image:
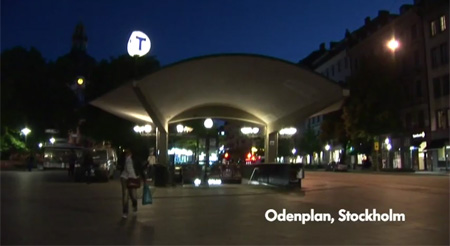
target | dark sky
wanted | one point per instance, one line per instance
(181, 29)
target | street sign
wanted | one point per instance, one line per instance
(139, 44)
(376, 146)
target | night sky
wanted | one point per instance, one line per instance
(181, 29)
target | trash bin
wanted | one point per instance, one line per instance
(161, 175)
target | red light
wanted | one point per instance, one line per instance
(249, 155)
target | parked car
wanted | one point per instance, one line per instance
(333, 166)
(56, 156)
(230, 173)
(98, 163)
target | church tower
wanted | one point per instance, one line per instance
(79, 39)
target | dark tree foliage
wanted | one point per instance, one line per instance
(333, 131)
(309, 142)
(40, 95)
(373, 106)
(24, 94)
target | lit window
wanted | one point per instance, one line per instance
(443, 24)
(433, 28)
(442, 119)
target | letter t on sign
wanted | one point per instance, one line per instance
(140, 41)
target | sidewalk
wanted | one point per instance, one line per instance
(436, 173)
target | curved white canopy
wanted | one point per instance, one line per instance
(254, 88)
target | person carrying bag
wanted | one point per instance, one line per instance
(130, 181)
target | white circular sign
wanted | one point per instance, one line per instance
(139, 44)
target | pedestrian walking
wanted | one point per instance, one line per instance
(30, 161)
(130, 178)
(88, 167)
(72, 160)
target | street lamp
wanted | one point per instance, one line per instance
(52, 140)
(293, 151)
(327, 148)
(180, 128)
(25, 131)
(208, 123)
(393, 44)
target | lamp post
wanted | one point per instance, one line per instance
(294, 151)
(25, 131)
(208, 123)
(327, 148)
(388, 145)
(393, 44)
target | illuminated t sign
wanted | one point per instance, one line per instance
(139, 44)
(419, 135)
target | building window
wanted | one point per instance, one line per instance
(434, 57)
(443, 25)
(417, 58)
(445, 85)
(442, 119)
(444, 53)
(421, 119)
(437, 87)
(408, 121)
(419, 89)
(433, 28)
(413, 32)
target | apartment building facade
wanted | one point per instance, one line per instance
(421, 32)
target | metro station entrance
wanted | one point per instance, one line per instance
(264, 91)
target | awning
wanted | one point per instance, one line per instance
(437, 144)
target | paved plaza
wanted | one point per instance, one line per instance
(44, 208)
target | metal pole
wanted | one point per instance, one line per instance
(205, 177)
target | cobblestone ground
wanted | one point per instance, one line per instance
(44, 208)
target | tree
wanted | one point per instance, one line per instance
(24, 92)
(333, 130)
(309, 142)
(106, 76)
(373, 106)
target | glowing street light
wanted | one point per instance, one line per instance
(40, 145)
(208, 123)
(142, 129)
(288, 131)
(249, 130)
(393, 44)
(52, 140)
(327, 147)
(389, 147)
(80, 81)
(180, 128)
(25, 131)
(294, 151)
(147, 128)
